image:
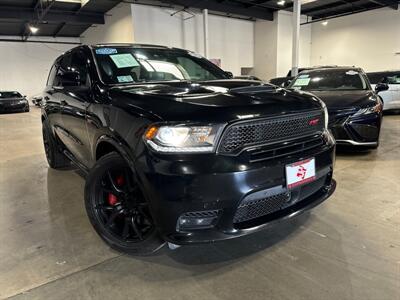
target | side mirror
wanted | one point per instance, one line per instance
(287, 83)
(69, 78)
(229, 74)
(380, 87)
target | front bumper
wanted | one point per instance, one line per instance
(13, 108)
(176, 185)
(361, 130)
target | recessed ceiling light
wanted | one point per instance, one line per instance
(33, 29)
(281, 2)
(324, 23)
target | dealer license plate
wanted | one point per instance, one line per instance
(300, 173)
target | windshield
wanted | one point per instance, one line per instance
(136, 65)
(4, 95)
(330, 80)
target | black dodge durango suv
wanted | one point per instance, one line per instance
(176, 150)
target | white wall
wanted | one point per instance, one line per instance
(25, 65)
(118, 27)
(368, 40)
(273, 46)
(285, 42)
(265, 49)
(231, 40)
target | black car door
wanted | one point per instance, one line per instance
(52, 100)
(74, 99)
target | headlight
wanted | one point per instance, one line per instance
(369, 110)
(182, 138)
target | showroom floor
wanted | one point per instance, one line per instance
(348, 248)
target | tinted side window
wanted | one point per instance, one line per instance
(79, 63)
(52, 75)
(64, 65)
(65, 62)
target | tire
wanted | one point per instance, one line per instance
(55, 158)
(117, 209)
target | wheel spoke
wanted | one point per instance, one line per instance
(144, 215)
(135, 228)
(125, 232)
(116, 189)
(104, 207)
(111, 220)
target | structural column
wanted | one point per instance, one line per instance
(205, 31)
(296, 36)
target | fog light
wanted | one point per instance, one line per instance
(198, 220)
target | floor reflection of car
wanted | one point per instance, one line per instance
(355, 110)
(12, 101)
(391, 97)
(176, 150)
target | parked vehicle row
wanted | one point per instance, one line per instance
(176, 150)
(390, 97)
(12, 101)
(355, 110)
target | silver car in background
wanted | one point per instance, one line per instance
(391, 97)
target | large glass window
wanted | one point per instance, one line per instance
(330, 79)
(121, 65)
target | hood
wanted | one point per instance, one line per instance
(213, 101)
(335, 100)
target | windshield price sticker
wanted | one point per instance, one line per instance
(127, 78)
(106, 51)
(125, 60)
(302, 81)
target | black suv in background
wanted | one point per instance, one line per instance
(177, 151)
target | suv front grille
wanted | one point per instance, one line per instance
(253, 209)
(260, 132)
(280, 149)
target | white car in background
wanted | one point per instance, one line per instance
(391, 97)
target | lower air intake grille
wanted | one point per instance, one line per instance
(253, 209)
(201, 214)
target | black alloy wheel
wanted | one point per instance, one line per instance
(117, 208)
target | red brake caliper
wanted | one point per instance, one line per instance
(112, 199)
